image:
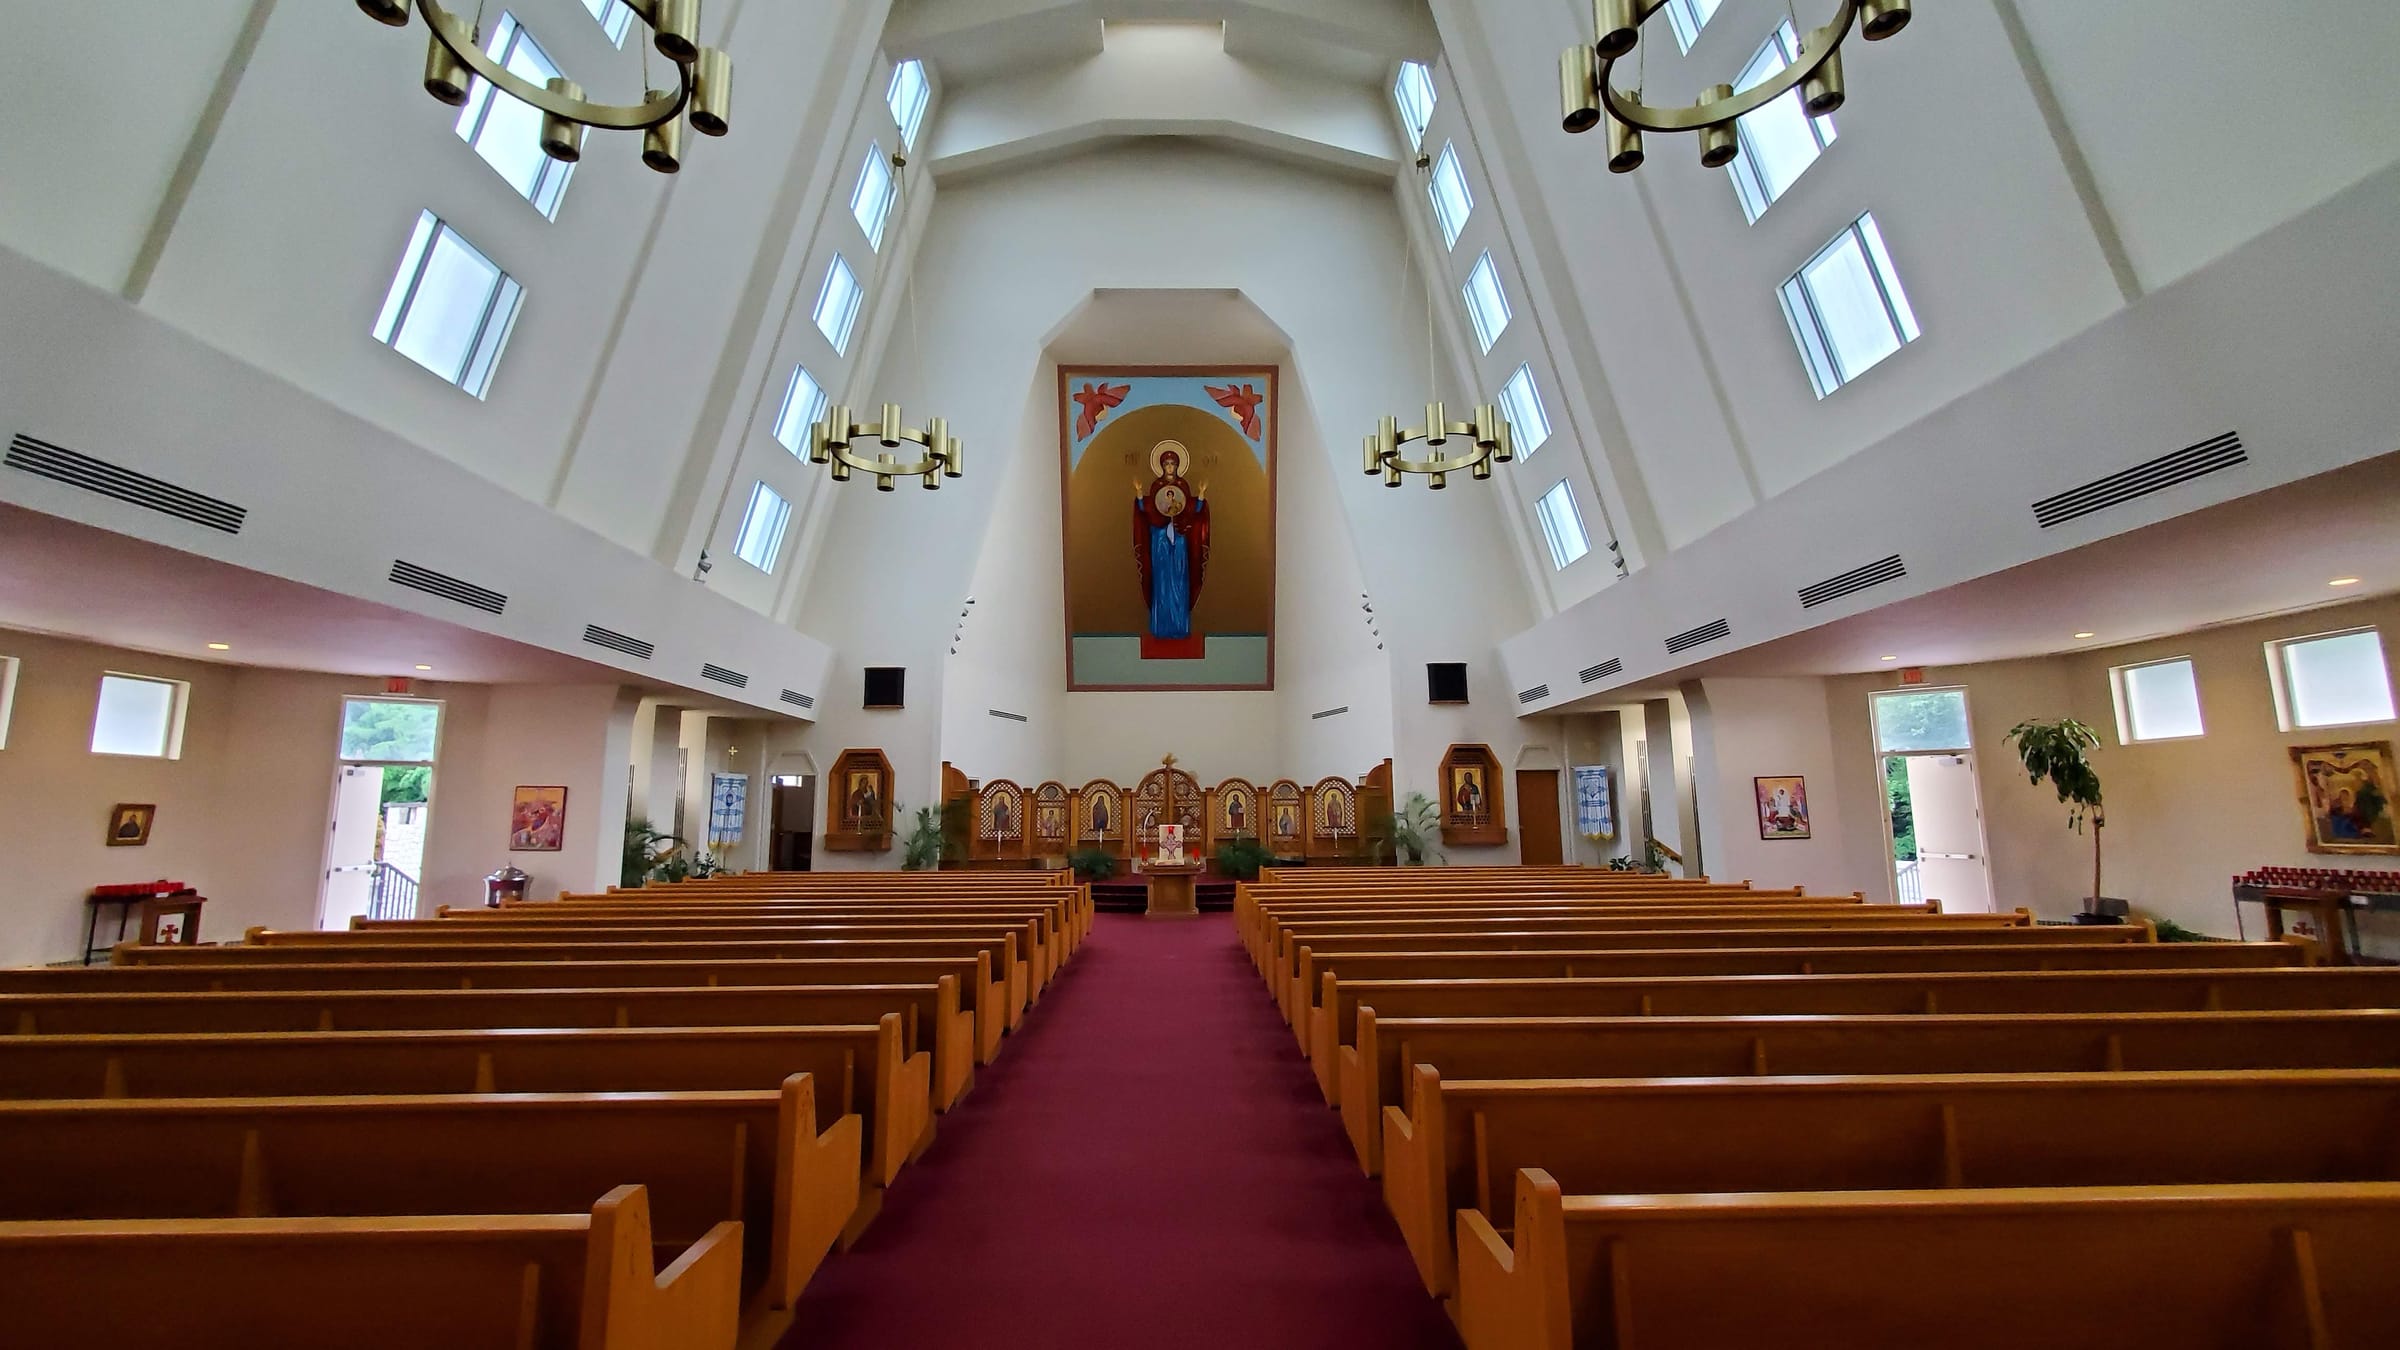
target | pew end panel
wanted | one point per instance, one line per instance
(1416, 1182)
(2277, 1267)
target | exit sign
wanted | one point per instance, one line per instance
(1912, 675)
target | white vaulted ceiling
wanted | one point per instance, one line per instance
(1296, 80)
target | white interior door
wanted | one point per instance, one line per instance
(350, 851)
(1949, 815)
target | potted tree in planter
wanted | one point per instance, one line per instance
(1413, 828)
(2060, 751)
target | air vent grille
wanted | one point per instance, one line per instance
(1008, 716)
(798, 699)
(79, 470)
(1595, 674)
(2196, 461)
(1694, 637)
(1329, 712)
(1533, 695)
(710, 670)
(447, 587)
(618, 642)
(1853, 581)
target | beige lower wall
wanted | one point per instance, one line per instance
(2184, 816)
(242, 813)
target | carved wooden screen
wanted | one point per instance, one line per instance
(1287, 819)
(1332, 818)
(1051, 825)
(1166, 796)
(1000, 820)
(1100, 817)
(1234, 811)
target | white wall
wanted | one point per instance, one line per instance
(1746, 729)
(1005, 264)
(242, 812)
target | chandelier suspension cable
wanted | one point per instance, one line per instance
(831, 441)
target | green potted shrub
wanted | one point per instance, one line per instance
(1413, 828)
(1093, 864)
(1242, 856)
(2060, 750)
(926, 843)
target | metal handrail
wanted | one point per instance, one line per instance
(391, 893)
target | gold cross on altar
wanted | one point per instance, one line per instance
(1168, 762)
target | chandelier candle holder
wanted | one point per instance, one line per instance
(1590, 97)
(834, 441)
(454, 59)
(1482, 443)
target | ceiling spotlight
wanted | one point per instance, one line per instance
(1891, 658)
(424, 667)
(220, 646)
(2081, 636)
(2343, 581)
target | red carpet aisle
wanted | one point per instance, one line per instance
(1149, 1167)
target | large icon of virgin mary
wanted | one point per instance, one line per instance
(1170, 541)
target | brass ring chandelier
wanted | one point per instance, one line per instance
(831, 442)
(1483, 442)
(703, 81)
(1590, 97)
(1486, 441)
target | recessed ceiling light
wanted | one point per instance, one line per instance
(2343, 581)
(424, 667)
(1891, 658)
(220, 646)
(2080, 636)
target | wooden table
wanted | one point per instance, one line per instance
(1174, 889)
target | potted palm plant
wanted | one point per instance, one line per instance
(2060, 750)
(1413, 829)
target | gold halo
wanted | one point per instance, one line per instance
(1159, 451)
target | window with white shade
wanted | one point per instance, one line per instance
(140, 716)
(1780, 140)
(1527, 419)
(804, 404)
(1452, 202)
(871, 201)
(1562, 525)
(2157, 701)
(1487, 304)
(614, 18)
(837, 304)
(449, 309)
(908, 97)
(8, 695)
(1413, 91)
(2331, 680)
(506, 131)
(1847, 309)
(1689, 17)
(761, 537)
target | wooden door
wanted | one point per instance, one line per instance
(1538, 843)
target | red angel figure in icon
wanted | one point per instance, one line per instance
(1243, 401)
(1097, 399)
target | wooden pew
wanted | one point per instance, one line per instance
(1051, 933)
(1002, 991)
(1473, 934)
(483, 1282)
(860, 1071)
(220, 1011)
(932, 993)
(1062, 912)
(1252, 917)
(755, 1158)
(2223, 1267)
(1277, 931)
(1373, 1072)
(1459, 1144)
(1891, 992)
(1009, 949)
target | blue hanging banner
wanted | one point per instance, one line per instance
(1595, 802)
(728, 807)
